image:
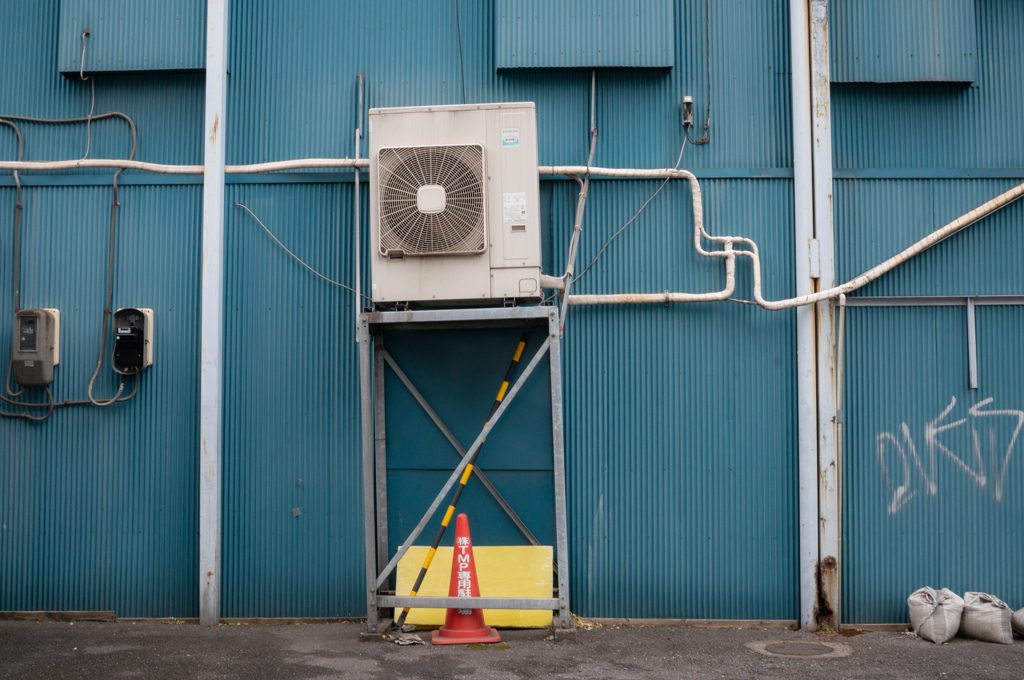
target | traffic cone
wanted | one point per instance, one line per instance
(463, 626)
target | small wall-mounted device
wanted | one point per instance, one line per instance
(133, 340)
(36, 346)
(687, 111)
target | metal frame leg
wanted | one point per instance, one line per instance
(369, 514)
(374, 450)
(558, 444)
(380, 447)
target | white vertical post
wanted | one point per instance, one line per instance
(828, 474)
(803, 204)
(356, 244)
(212, 316)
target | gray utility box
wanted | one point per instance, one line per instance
(36, 346)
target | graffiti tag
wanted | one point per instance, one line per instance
(903, 451)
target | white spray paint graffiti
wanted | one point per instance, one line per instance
(905, 451)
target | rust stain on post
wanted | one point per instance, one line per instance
(826, 576)
(213, 134)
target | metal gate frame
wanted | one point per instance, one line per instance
(374, 444)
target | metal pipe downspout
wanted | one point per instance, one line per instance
(828, 470)
(212, 316)
(803, 204)
(356, 245)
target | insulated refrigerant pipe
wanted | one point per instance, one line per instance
(935, 237)
(159, 168)
(465, 476)
(953, 227)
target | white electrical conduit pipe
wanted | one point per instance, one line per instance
(728, 253)
(276, 166)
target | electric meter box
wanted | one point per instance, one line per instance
(133, 340)
(36, 346)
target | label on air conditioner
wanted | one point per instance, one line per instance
(515, 207)
(510, 136)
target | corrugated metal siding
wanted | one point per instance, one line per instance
(99, 505)
(880, 41)
(596, 33)
(681, 422)
(294, 70)
(292, 408)
(168, 109)
(905, 368)
(675, 417)
(875, 219)
(934, 125)
(132, 35)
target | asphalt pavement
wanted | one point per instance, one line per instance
(169, 650)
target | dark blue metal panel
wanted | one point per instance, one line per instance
(933, 476)
(589, 34)
(132, 35)
(880, 41)
(459, 373)
(99, 506)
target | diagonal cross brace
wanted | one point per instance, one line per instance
(458, 447)
(462, 464)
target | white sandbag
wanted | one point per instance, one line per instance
(935, 615)
(987, 618)
(1017, 621)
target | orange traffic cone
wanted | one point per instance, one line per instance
(464, 626)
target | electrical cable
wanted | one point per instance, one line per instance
(26, 416)
(106, 310)
(707, 60)
(581, 204)
(17, 221)
(110, 260)
(92, 107)
(462, 70)
(66, 402)
(637, 214)
(297, 259)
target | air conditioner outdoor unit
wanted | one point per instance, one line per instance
(455, 204)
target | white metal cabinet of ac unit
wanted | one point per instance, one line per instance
(454, 204)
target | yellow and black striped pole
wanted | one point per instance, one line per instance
(465, 475)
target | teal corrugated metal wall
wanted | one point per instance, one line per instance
(132, 36)
(681, 443)
(680, 421)
(291, 435)
(923, 128)
(876, 219)
(99, 507)
(595, 33)
(911, 159)
(880, 41)
(933, 471)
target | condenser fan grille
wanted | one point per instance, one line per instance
(431, 200)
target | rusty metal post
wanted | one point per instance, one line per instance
(827, 605)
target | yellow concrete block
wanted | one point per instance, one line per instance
(501, 571)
